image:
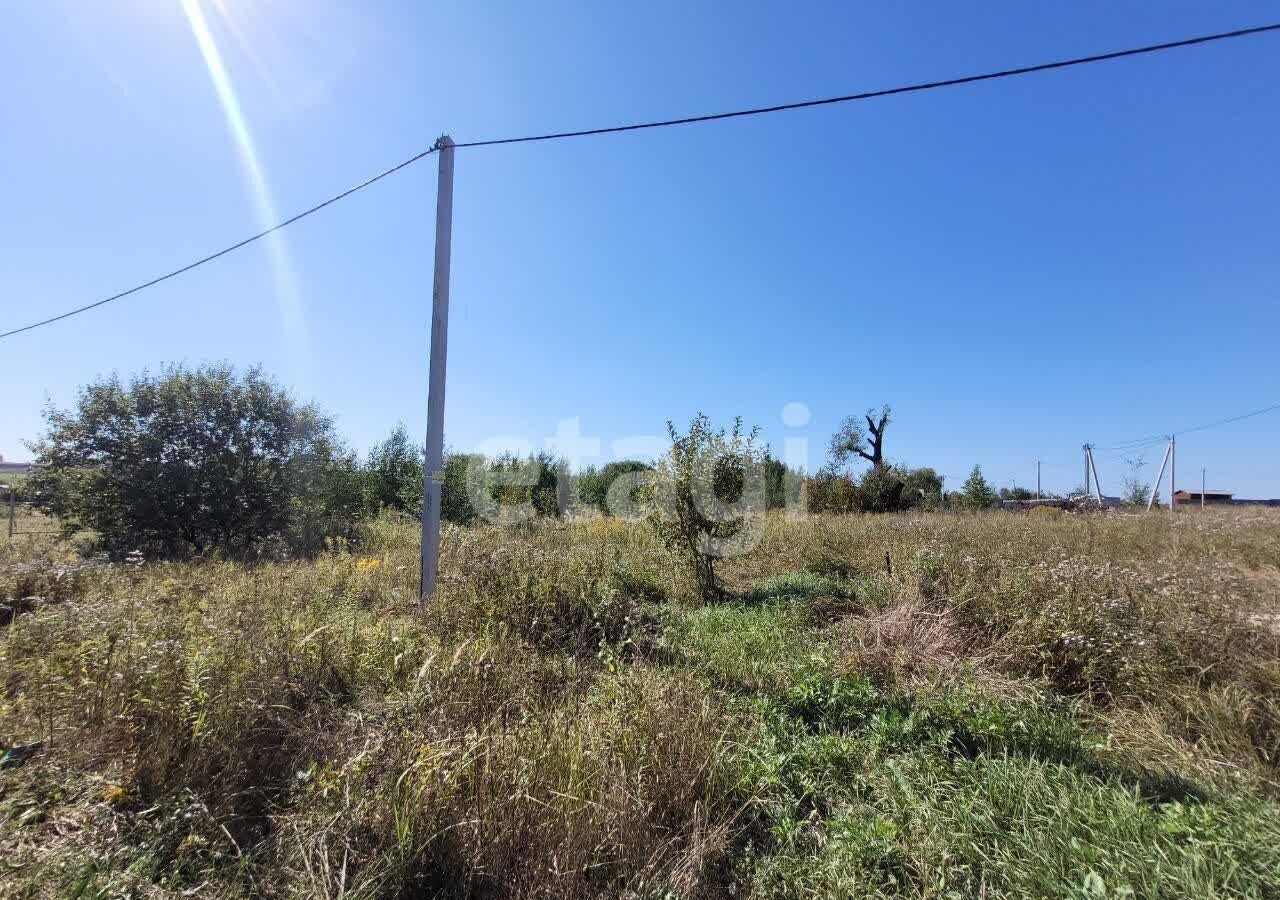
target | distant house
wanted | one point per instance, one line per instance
(1209, 497)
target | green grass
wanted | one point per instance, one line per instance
(873, 793)
(1021, 707)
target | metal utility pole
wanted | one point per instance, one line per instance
(433, 475)
(1155, 488)
(1173, 468)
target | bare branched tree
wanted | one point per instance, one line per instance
(855, 438)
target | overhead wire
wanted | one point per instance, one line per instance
(1155, 439)
(663, 123)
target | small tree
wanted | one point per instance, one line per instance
(1136, 491)
(393, 474)
(709, 492)
(977, 493)
(855, 439)
(191, 461)
(782, 483)
(455, 493)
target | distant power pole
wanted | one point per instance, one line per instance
(1097, 482)
(1202, 487)
(1173, 468)
(1037, 479)
(1085, 448)
(433, 475)
(1155, 488)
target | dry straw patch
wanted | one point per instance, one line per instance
(912, 639)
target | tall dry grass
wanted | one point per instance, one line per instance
(565, 720)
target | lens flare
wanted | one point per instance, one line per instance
(288, 298)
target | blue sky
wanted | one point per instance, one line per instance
(1017, 267)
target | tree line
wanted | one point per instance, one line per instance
(191, 461)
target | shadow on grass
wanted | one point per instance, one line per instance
(964, 723)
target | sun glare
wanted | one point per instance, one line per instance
(287, 295)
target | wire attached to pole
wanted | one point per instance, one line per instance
(665, 123)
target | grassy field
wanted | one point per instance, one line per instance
(939, 705)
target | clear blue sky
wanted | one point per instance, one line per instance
(1017, 267)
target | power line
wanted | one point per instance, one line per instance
(225, 250)
(1155, 440)
(1152, 440)
(887, 92)
(1248, 415)
(689, 120)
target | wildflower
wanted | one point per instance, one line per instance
(368, 564)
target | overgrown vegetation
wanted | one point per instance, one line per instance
(711, 701)
(898, 705)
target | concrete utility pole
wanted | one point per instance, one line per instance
(1173, 468)
(1097, 482)
(1155, 488)
(1202, 487)
(433, 474)
(1037, 479)
(1085, 448)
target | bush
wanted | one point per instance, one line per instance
(781, 483)
(455, 494)
(594, 484)
(709, 489)
(193, 461)
(921, 488)
(393, 474)
(829, 492)
(880, 490)
(514, 489)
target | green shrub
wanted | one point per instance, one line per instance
(881, 490)
(782, 484)
(830, 492)
(455, 493)
(393, 474)
(194, 460)
(921, 488)
(709, 499)
(511, 489)
(594, 485)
